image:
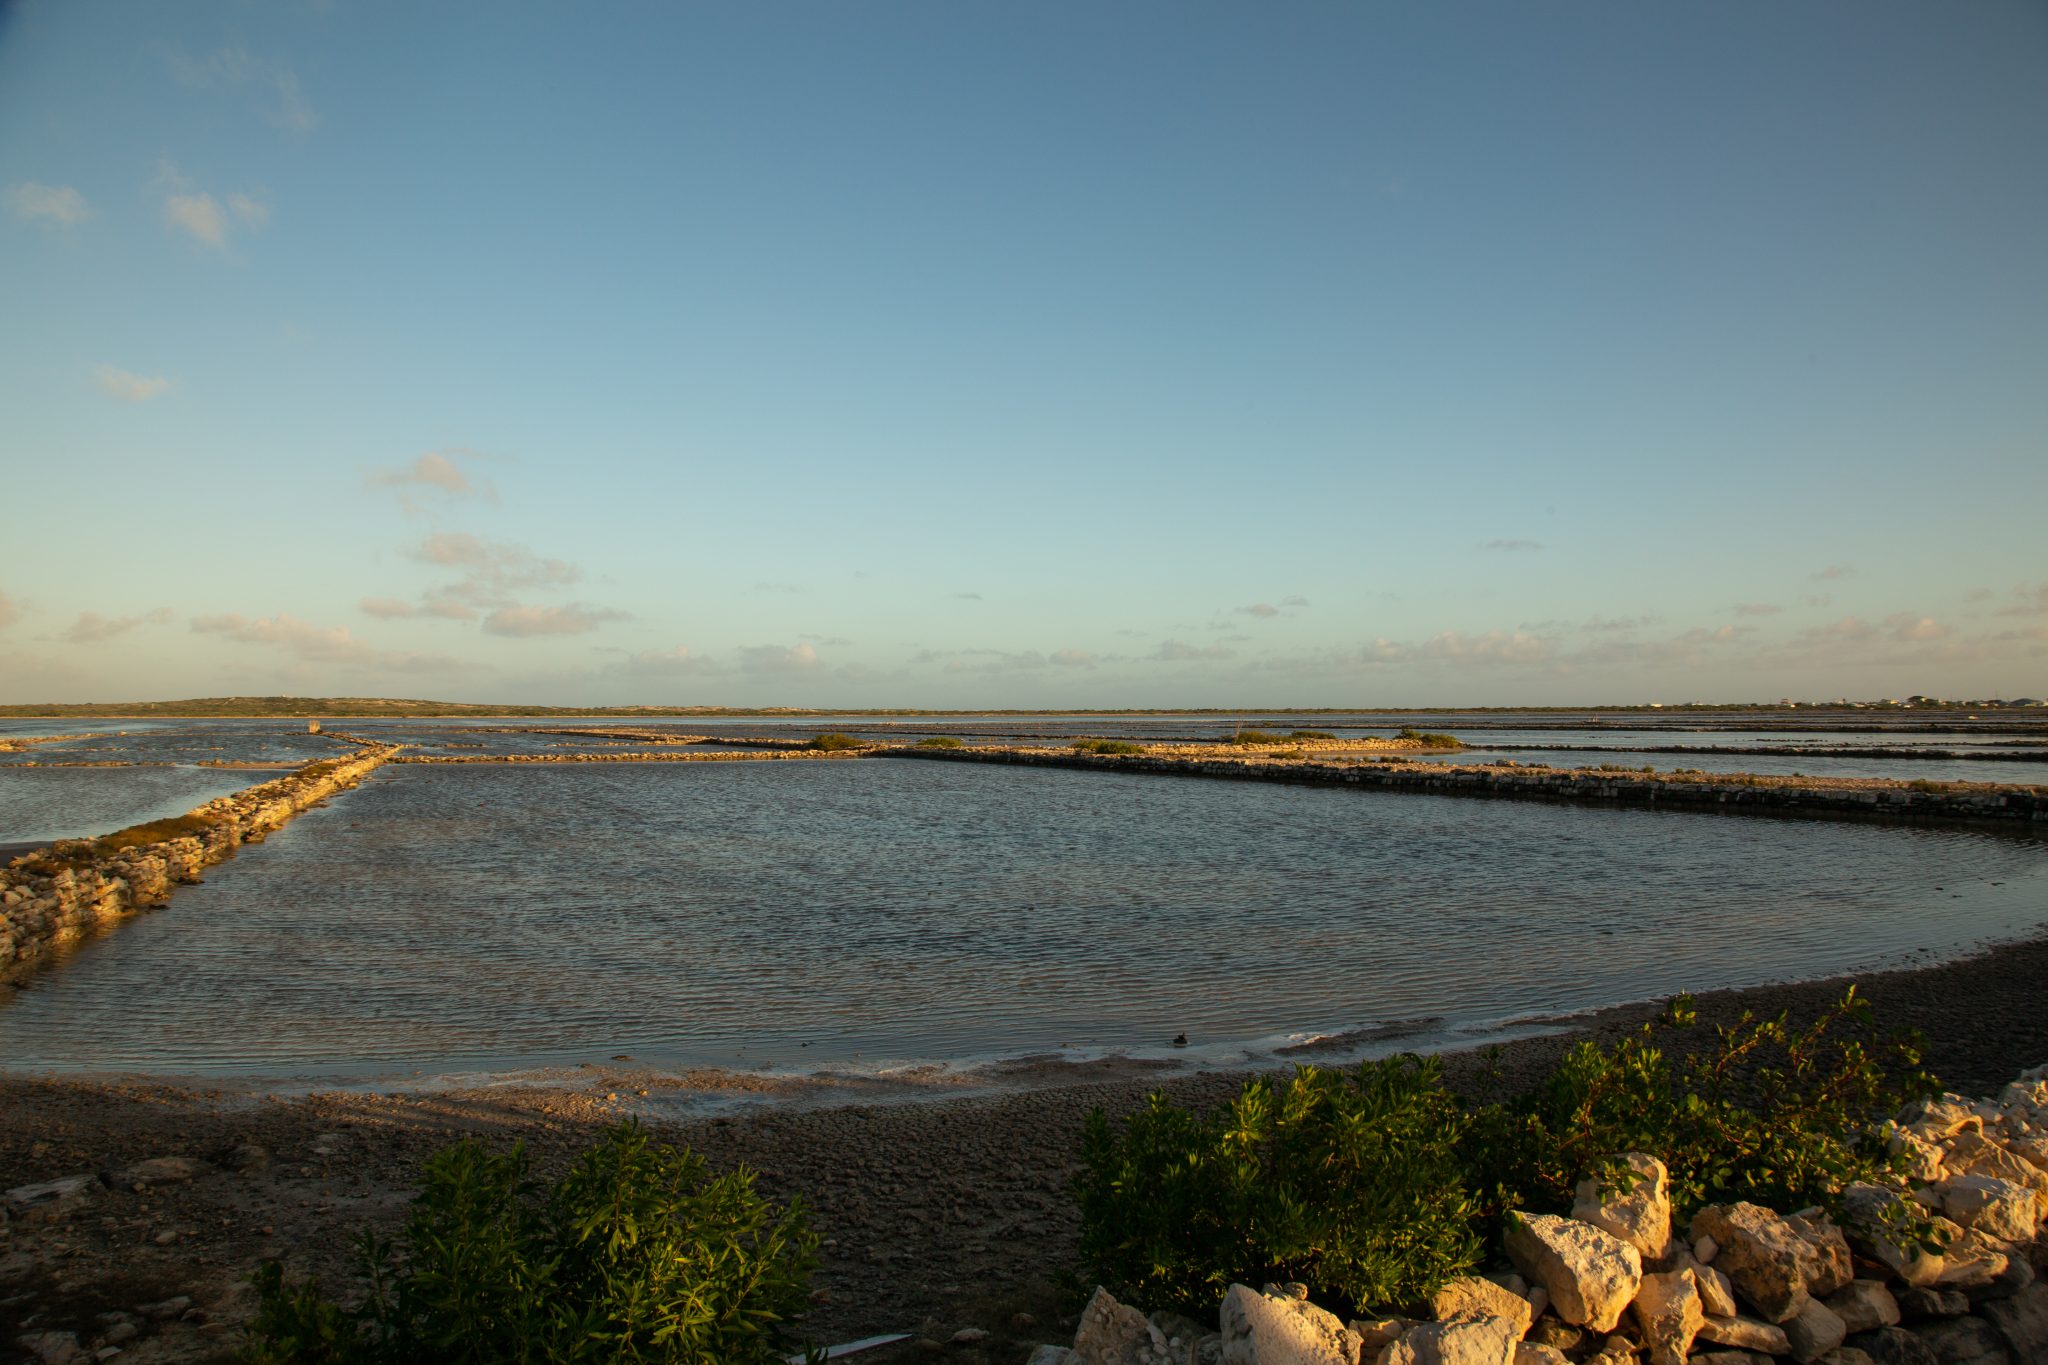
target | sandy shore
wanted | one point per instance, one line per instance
(937, 1215)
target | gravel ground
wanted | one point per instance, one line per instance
(937, 1216)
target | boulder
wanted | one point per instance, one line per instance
(1845, 1355)
(1591, 1275)
(1265, 1329)
(1894, 1346)
(1668, 1312)
(1919, 1303)
(1468, 1296)
(1824, 1262)
(1730, 1358)
(1462, 1341)
(2022, 1321)
(1717, 1295)
(1992, 1205)
(161, 1170)
(1966, 1341)
(51, 1195)
(1113, 1334)
(1633, 1202)
(1761, 1254)
(1746, 1334)
(1864, 1306)
(1974, 1261)
(1376, 1334)
(1532, 1353)
(1870, 1212)
(1814, 1331)
(1975, 1154)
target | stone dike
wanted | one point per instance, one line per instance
(53, 895)
(1827, 798)
(643, 756)
(1619, 1282)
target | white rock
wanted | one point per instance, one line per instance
(1746, 1334)
(1761, 1254)
(1591, 1275)
(1468, 1296)
(1703, 1250)
(1112, 1333)
(1464, 1341)
(1998, 1208)
(1260, 1329)
(1668, 1311)
(1717, 1295)
(1864, 1306)
(1634, 1204)
(1814, 1331)
(1531, 1353)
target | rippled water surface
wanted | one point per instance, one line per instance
(861, 911)
(40, 804)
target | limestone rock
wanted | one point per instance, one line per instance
(1471, 1297)
(1730, 1358)
(1996, 1207)
(1634, 1204)
(1461, 1341)
(1824, 1261)
(1973, 1261)
(1376, 1334)
(1866, 1209)
(161, 1170)
(1533, 1353)
(1918, 1303)
(1761, 1255)
(1113, 1334)
(51, 1194)
(2022, 1321)
(1814, 1331)
(1717, 1295)
(1966, 1341)
(1746, 1334)
(1261, 1329)
(1668, 1311)
(1864, 1306)
(1894, 1346)
(1591, 1275)
(1845, 1355)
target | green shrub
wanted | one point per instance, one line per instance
(1310, 734)
(834, 742)
(938, 742)
(1431, 739)
(1250, 737)
(1777, 1116)
(1921, 784)
(1349, 1183)
(639, 1254)
(1107, 746)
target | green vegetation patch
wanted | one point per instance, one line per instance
(1373, 1188)
(1430, 739)
(833, 742)
(639, 1254)
(1106, 746)
(938, 742)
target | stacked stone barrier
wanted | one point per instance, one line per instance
(1735, 792)
(54, 895)
(643, 756)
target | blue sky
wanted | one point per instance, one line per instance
(1028, 355)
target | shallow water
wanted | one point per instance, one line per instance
(866, 912)
(41, 804)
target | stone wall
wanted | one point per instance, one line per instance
(56, 894)
(1902, 802)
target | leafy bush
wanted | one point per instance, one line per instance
(1921, 784)
(1310, 734)
(639, 1254)
(1107, 746)
(833, 742)
(938, 742)
(1430, 739)
(1251, 737)
(1770, 1114)
(1348, 1183)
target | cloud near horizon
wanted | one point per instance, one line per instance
(436, 469)
(58, 204)
(576, 618)
(91, 628)
(129, 388)
(316, 644)
(776, 659)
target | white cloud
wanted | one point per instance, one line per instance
(91, 628)
(59, 204)
(776, 659)
(1756, 609)
(387, 608)
(1073, 658)
(526, 622)
(233, 68)
(130, 388)
(667, 663)
(495, 570)
(1833, 572)
(435, 469)
(1906, 625)
(1263, 610)
(316, 644)
(1177, 651)
(249, 212)
(199, 214)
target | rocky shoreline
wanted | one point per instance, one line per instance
(53, 895)
(1827, 798)
(940, 1218)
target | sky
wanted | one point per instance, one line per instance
(1047, 355)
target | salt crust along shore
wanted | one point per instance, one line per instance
(939, 1217)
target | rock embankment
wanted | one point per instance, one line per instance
(643, 756)
(1830, 798)
(1615, 1283)
(21, 743)
(55, 894)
